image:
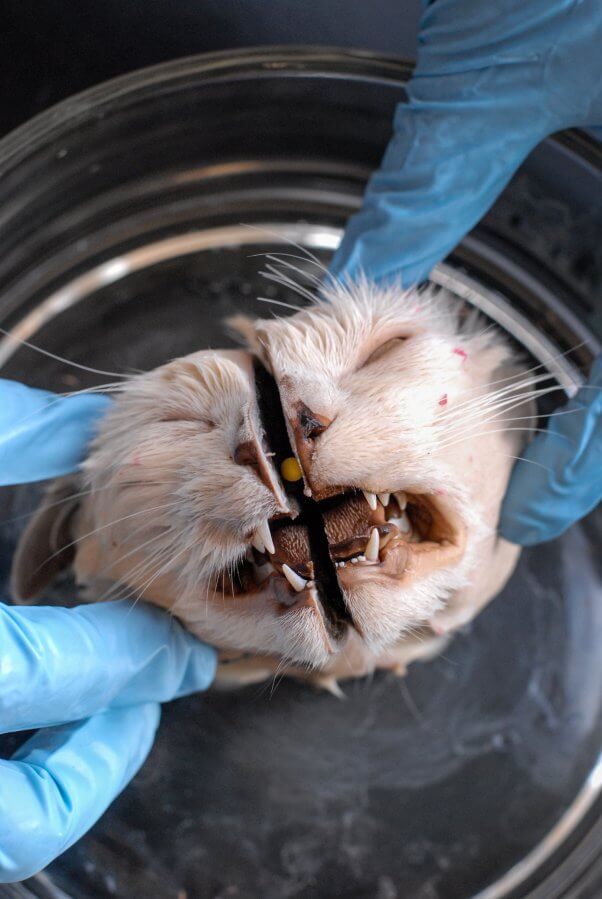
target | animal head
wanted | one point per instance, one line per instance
(395, 406)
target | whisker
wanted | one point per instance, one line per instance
(280, 278)
(278, 303)
(31, 346)
(110, 524)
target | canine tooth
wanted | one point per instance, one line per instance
(402, 499)
(405, 525)
(373, 546)
(384, 498)
(263, 532)
(294, 579)
(370, 499)
(256, 542)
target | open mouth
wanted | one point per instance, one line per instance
(314, 557)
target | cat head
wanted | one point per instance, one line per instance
(391, 404)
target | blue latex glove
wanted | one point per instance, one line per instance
(565, 483)
(91, 677)
(492, 80)
(42, 435)
(105, 668)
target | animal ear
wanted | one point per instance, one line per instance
(45, 547)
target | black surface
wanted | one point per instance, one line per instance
(55, 48)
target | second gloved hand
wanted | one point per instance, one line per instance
(492, 81)
(91, 678)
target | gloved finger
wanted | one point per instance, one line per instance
(489, 85)
(62, 780)
(441, 172)
(565, 482)
(61, 665)
(42, 435)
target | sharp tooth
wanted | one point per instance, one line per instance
(373, 546)
(263, 533)
(370, 499)
(402, 499)
(257, 543)
(295, 580)
(384, 498)
(404, 525)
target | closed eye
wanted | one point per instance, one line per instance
(383, 350)
(187, 418)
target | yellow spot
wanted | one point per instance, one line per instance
(290, 469)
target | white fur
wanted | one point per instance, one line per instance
(169, 509)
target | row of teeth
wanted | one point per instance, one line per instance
(262, 541)
(262, 538)
(374, 498)
(370, 554)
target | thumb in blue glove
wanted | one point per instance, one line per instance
(43, 435)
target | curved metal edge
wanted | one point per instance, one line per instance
(491, 303)
(291, 60)
(550, 843)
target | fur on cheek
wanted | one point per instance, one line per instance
(400, 383)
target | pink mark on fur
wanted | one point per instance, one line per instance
(460, 352)
(440, 492)
(437, 628)
(443, 400)
(471, 459)
(136, 459)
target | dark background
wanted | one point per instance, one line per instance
(50, 49)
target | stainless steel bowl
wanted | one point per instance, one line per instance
(130, 220)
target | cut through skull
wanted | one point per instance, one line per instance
(384, 544)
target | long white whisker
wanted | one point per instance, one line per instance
(110, 524)
(94, 371)
(278, 303)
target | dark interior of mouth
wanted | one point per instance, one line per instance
(310, 517)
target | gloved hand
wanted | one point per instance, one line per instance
(43, 435)
(492, 80)
(565, 483)
(91, 677)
